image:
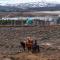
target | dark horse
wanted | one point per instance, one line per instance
(35, 47)
(23, 45)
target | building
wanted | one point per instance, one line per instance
(38, 20)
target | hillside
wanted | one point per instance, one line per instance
(10, 38)
(33, 6)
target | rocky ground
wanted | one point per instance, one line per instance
(10, 38)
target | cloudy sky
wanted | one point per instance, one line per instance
(26, 1)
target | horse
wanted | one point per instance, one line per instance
(35, 47)
(23, 45)
(29, 46)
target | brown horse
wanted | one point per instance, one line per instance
(26, 45)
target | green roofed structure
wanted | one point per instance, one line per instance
(29, 21)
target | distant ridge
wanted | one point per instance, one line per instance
(33, 6)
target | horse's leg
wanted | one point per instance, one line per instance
(33, 49)
(28, 48)
(24, 48)
(38, 48)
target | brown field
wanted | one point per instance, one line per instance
(10, 38)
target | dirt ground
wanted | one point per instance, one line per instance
(10, 39)
(43, 55)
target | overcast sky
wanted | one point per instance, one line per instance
(26, 1)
